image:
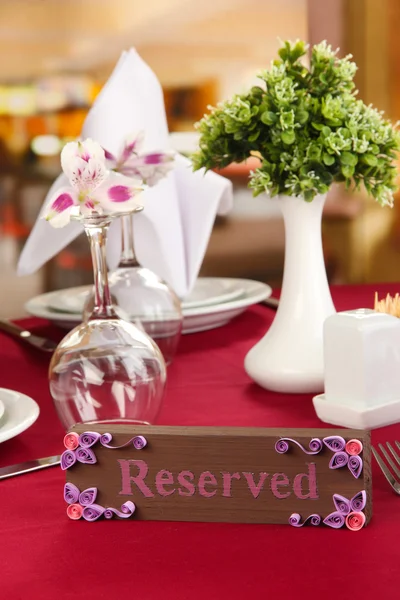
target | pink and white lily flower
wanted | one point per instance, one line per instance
(151, 167)
(93, 187)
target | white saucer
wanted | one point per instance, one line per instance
(2, 409)
(20, 412)
(207, 291)
(198, 318)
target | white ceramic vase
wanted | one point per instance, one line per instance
(289, 358)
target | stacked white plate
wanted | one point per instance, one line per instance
(213, 302)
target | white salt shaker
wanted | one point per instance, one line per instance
(361, 370)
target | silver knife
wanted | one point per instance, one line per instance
(28, 467)
(26, 336)
(271, 302)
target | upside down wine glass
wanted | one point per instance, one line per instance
(106, 369)
(144, 297)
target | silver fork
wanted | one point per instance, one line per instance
(394, 464)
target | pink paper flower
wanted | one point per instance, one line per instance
(93, 187)
(150, 167)
(71, 441)
(354, 447)
(355, 521)
(74, 511)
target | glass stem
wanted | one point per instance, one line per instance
(97, 235)
(128, 258)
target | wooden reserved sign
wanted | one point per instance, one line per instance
(247, 475)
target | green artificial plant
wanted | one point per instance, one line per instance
(307, 127)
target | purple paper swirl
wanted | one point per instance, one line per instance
(282, 446)
(68, 458)
(342, 504)
(355, 466)
(105, 439)
(139, 442)
(126, 511)
(88, 438)
(92, 512)
(88, 496)
(335, 520)
(335, 443)
(358, 501)
(295, 520)
(71, 493)
(86, 456)
(338, 460)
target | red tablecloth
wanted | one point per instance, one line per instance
(46, 556)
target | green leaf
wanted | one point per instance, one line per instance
(288, 137)
(328, 159)
(314, 152)
(254, 136)
(334, 122)
(284, 52)
(268, 117)
(309, 195)
(348, 171)
(298, 50)
(370, 159)
(317, 126)
(347, 158)
(323, 79)
(302, 116)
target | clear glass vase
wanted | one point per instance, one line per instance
(143, 297)
(106, 369)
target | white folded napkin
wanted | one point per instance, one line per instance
(172, 233)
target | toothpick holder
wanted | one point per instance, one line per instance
(362, 370)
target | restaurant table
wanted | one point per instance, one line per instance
(46, 556)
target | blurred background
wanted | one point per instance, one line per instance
(57, 55)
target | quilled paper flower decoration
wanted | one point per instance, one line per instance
(348, 513)
(150, 167)
(93, 187)
(82, 505)
(346, 454)
(79, 447)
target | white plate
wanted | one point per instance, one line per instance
(2, 409)
(213, 290)
(198, 318)
(71, 300)
(207, 290)
(20, 412)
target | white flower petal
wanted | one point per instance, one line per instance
(78, 160)
(68, 155)
(93, 149)
(118, 193)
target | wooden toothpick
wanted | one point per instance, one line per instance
(388, 305)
